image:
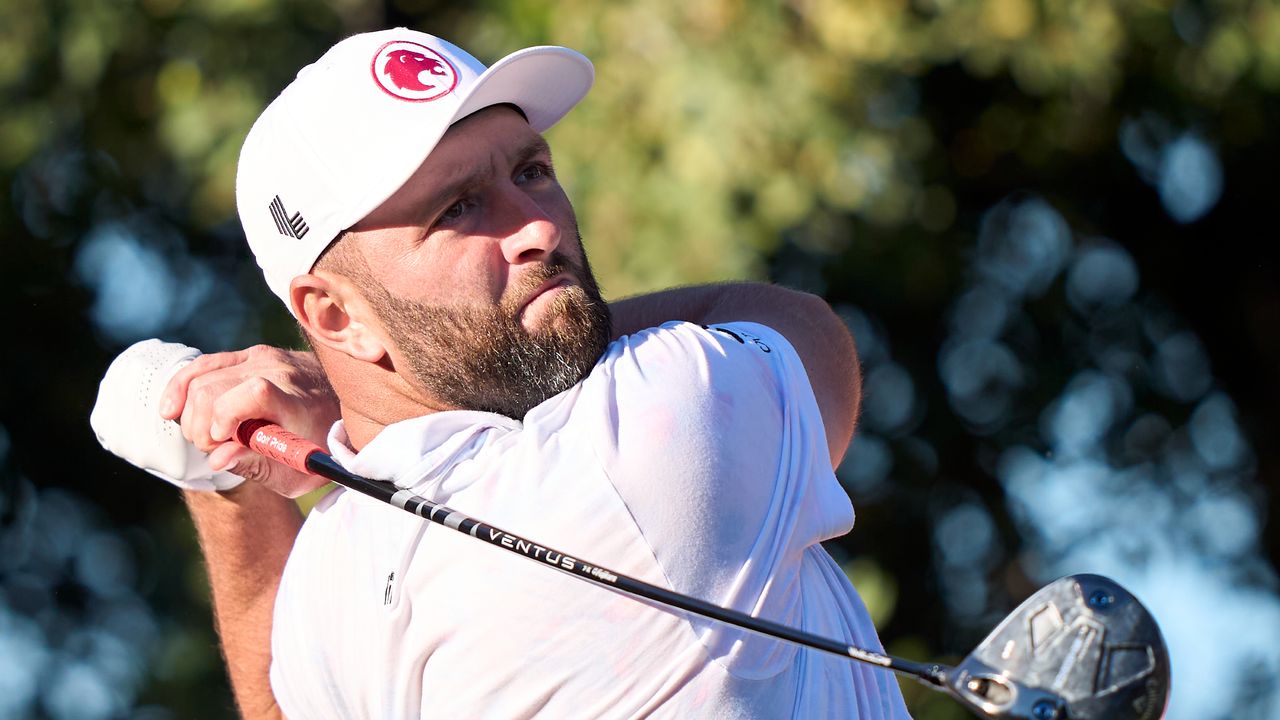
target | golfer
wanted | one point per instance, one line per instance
(403, 205)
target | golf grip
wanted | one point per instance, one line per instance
(305, 456)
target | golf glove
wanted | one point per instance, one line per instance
(126, 418)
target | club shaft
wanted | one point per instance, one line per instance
(303, 455)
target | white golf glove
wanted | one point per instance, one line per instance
(126, 418)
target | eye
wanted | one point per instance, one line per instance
(535, 172)
(454, 212)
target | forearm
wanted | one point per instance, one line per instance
(704, 304)
(246, 536)
(819, 336)
(696, 304)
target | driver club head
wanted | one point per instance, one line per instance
(1081, 648)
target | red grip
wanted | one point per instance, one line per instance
(273, 441)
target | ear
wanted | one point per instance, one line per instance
(334, 312)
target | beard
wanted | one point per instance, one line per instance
(482, 358)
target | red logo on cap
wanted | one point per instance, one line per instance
(414, 72)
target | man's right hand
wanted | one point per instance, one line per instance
(213, 394)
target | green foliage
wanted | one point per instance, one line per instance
(877, 588)
(717, 126)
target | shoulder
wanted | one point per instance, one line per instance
(681, 390)
(678, 354)
(722, 335)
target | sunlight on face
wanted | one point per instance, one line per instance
(476, 271)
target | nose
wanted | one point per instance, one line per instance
(533, 234)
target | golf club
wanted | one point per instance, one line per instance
(1080, 648)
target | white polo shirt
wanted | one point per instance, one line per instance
(690, 458)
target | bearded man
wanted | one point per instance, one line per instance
(403, 205)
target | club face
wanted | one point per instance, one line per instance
(1082, 648)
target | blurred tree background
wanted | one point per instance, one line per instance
(1044, 220)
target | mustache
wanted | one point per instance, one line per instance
(557, 264)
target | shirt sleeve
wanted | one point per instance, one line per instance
(714, 441)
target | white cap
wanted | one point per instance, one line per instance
(353, 127)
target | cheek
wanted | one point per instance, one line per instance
(464, 286)
(561, 209)
(466, 274)
(412, 275)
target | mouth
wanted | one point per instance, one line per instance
(544, 294)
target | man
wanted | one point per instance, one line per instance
(404, 206)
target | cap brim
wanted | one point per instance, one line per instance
(545, 82)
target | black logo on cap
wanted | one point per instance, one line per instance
(293, 226)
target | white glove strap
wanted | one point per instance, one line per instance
(126, 418)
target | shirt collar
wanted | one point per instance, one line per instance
(411, 452)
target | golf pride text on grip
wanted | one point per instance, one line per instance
(275, 442)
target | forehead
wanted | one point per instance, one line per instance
(472, 150)
(488, 135)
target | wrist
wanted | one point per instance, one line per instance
(245, 497)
